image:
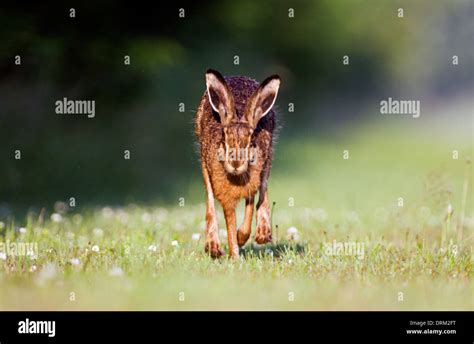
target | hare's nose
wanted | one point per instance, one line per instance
(235, 163)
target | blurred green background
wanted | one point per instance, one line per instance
(137, 105)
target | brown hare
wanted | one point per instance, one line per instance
(234, 126)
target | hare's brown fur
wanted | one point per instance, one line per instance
(229, 188)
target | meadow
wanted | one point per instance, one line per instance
(400, 195)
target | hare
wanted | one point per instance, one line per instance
(234, 126)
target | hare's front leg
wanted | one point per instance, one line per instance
(246, 228)
(213, 245)
(263, 232)
(229, 213)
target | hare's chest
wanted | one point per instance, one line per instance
(232, 189)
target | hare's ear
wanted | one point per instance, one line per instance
(220, 96)
(263, 99)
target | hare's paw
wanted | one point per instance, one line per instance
(242, 236)
(263, 234)
(213, 248)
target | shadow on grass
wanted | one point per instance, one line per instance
(277, 249)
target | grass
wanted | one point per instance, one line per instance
(143, 257)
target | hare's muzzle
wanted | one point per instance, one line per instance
(236, 167)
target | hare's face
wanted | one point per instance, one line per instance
(238, 152)
(238, 131)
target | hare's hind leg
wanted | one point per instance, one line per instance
(263, 232)
(213, 246)
(245, 229)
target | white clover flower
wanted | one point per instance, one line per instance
(22, 230)
(152, 248)
(175, 243)
(292, 230)
(98, 232)
(3, 256)
(33, 268)
(196, 236)
(292, 234)
(55, 217)
(95, 248)
(116, 271)
(75, 261)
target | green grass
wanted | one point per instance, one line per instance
(353, 200)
